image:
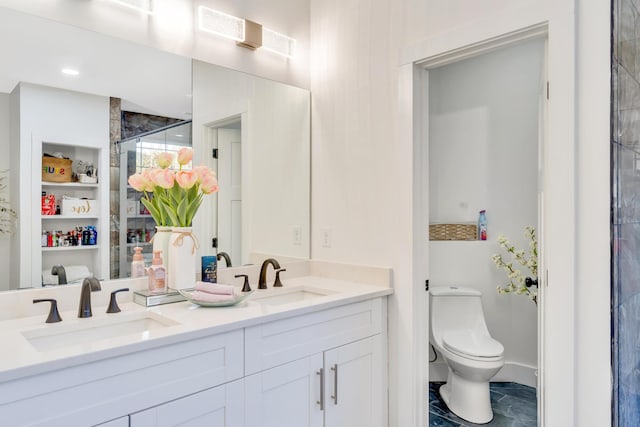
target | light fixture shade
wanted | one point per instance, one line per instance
(220, 24)
(278, 43)
(145, 6)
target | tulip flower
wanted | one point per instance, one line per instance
(176, 195)
(186, 179)
(185, 155)
(164, 160)
(162, 178)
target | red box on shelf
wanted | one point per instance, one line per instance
(49, 204)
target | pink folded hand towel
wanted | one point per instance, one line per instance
(214, 288)
(207, 297)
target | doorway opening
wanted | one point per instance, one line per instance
(225, 141)
(482, 124)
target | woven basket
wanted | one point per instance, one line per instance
(55, 169)
(453, 232)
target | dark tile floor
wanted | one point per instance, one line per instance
(514, 405)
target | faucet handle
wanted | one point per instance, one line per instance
(54, 315)
(113, 304)
(277, 283)
(245, 287)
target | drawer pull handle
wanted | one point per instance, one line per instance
(334, 368)
(321, 401)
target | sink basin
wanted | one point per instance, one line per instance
(288, 296)
(53, 337)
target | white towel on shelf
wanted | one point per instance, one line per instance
(75, 274)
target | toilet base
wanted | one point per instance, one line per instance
(469, 400)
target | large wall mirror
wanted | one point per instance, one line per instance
(260, 130)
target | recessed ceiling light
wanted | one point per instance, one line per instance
(179, 135)
(70, 71)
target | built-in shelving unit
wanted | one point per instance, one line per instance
(67, 228)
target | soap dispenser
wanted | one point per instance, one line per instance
(137, 265)
(157, 275)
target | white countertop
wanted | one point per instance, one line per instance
(19, 358)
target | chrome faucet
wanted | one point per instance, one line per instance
(226, 257)
(58, 270)
(262, 281)
(90, 284)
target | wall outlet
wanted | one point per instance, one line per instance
(297, 235)
(325, 237)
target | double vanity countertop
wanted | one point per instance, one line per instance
(32, 347)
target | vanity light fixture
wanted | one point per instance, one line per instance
(144, 6)
(70, 71)
(278, 43)
(246, 33)
(220, 24)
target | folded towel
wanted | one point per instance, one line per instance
(207, 297)
(214, 288)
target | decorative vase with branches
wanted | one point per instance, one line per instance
(519, 283)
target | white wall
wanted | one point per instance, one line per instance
(362, 178)
(5, 163)
(483, 154)
(171, 28)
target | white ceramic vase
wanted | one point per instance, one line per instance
(161, 243)
(182, 258)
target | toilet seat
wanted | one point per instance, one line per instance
(473, 346)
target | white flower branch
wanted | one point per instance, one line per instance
(517, 280)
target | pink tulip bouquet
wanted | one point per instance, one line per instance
(177, 194)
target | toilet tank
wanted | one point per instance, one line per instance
(457, 308)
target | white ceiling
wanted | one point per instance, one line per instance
(34, 50)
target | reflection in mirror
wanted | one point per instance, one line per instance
(117, 81)
(137, 226)
(261, 137)
(127, 81)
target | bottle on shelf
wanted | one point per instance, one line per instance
(137, 265)
(482, 225)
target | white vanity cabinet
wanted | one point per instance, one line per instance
(341, 383)
(320, 368)
(340, 387)
(221, 406)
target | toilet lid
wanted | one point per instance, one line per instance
(475, 345)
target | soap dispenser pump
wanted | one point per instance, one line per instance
(137, 265)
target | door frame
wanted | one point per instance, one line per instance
(414, 76)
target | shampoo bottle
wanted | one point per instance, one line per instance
(482, 225)
(137, 265)
(157, 275)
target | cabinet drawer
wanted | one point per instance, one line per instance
(282, 341)
(126, 384)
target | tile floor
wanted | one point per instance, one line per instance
(514, 405)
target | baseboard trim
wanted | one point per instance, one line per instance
(510, 372)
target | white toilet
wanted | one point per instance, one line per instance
(459, 333)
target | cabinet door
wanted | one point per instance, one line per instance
(221, 406)
(285, 396)
(354, 392)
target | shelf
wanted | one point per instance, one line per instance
(69, 248)
(141, 244)
(139, 216)
(62, 217)
(68, 185)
